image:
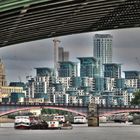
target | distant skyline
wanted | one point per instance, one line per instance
(21, 59)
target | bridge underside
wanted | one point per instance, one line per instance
(28, 20)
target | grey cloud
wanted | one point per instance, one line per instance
(36, 50)
(79, 40)
(126, 38)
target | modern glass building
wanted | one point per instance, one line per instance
(16, 97)
(88, 67)
(99, 84)
(102, 50)
(76, 82)
(44, 71)
(63, 55)
(67, 69)
(60, 53)
(112, 70)
(18, 84)
(44, 78)
(132, 74)
(120, 83)
(133, 77)
(66, 56)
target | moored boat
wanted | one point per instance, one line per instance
(79, 120)
(22, 122)
(54, 124)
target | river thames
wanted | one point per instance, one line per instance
(111, 131)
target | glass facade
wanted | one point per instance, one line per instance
(112, 70)
(44, 71)
(67, 69)
(102, 50)
(132, 74)
(88, 67)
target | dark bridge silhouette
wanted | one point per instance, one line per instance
(22, 20)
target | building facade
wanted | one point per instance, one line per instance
(42, 82)
(5, 92)
(67, 69)
(112, 70)
(102, 50)
(2, 74)
(88, 67)
(62, 55)
(132, 79)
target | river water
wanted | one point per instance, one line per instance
(79, 132)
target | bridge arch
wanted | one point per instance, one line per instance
(119, 111)
(48, 107)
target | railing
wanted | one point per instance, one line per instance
(43, 104)
(119, 106)
(70, 105)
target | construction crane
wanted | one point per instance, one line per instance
(56, 45)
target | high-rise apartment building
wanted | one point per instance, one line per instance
(132, 74)
(30, 88)
(132, 78)
(42, 81)
(2, 74)
(88, 67)
(67, 69)
(66, 56)
(59, 56)
(102, 50)
(63, 55)
(60, 53)
(44, 71)
(112, 70)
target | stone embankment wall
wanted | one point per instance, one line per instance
(6, 120)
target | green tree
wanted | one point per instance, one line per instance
(136, 100)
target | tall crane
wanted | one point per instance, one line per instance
(56, 45)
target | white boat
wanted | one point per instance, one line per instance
(22, 122)
(60, 118)
(79, 119)
(102, 119)
(54, 124)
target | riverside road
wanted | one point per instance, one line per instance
(110, 131)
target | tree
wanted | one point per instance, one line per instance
(136, 100)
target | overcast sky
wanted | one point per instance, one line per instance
(21, 59)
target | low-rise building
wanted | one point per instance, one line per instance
(5, 91)
(35, 100)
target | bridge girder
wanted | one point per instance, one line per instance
(28, 20)
(10, 111)
(109, 113)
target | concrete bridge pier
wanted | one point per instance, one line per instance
(93, 115)
(93, 122)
